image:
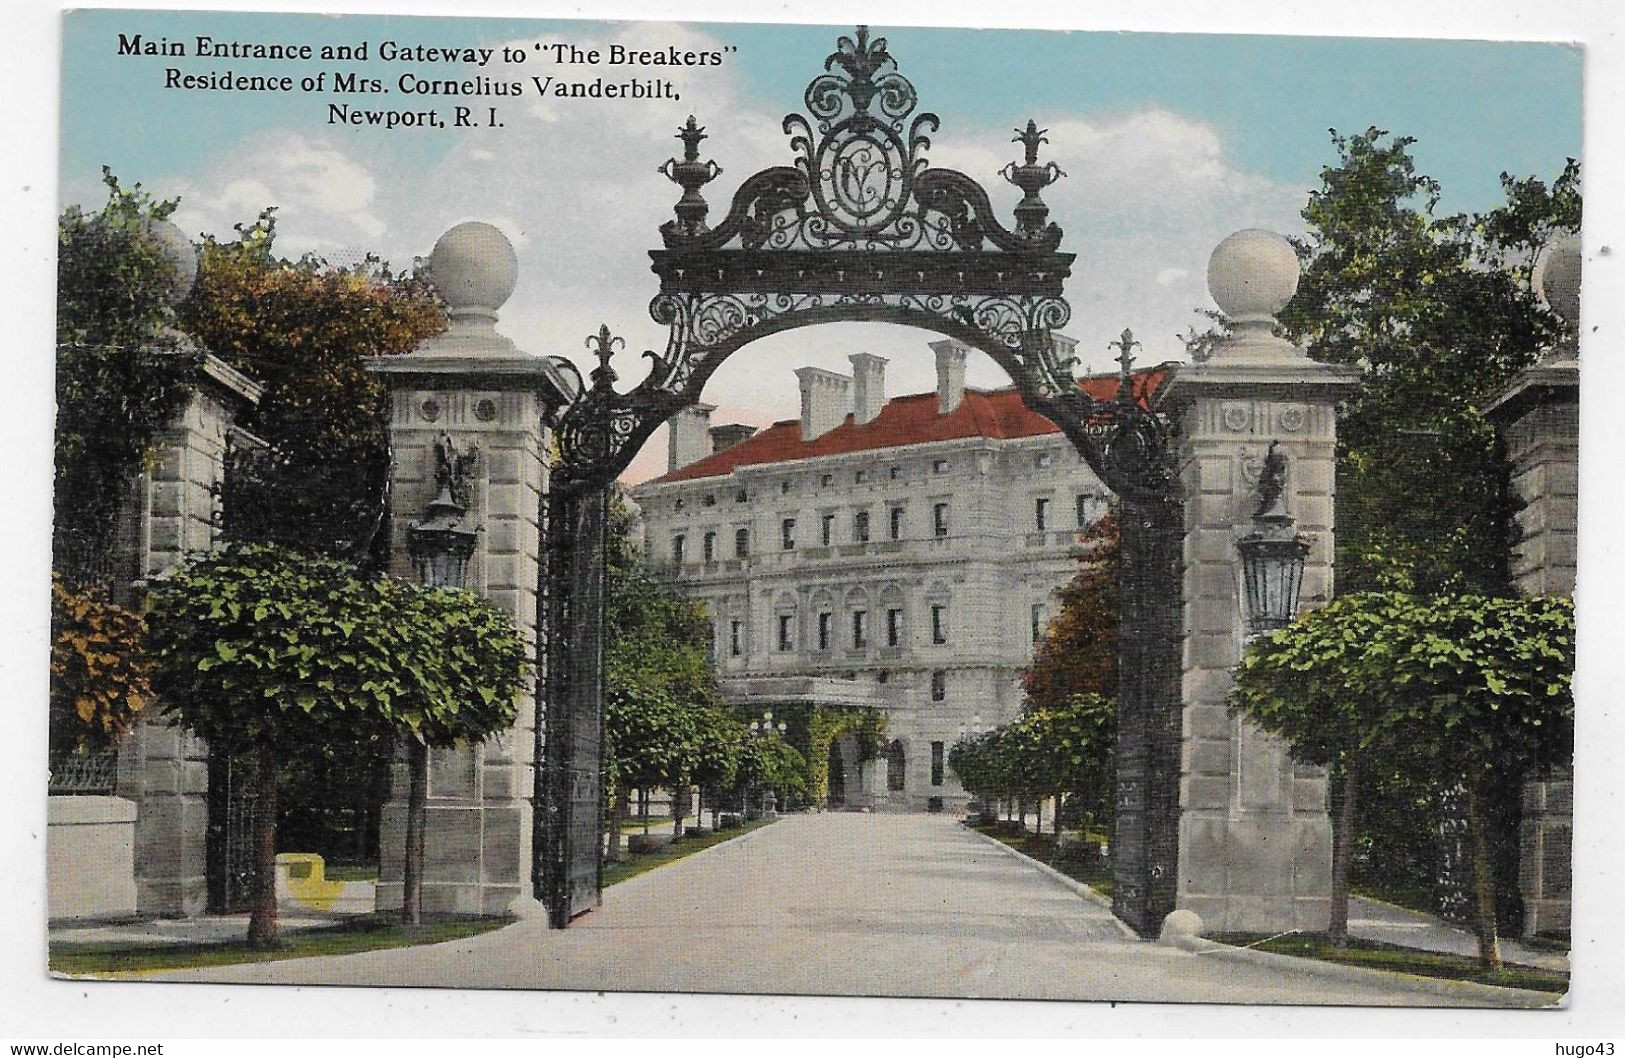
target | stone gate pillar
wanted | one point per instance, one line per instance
(1254, 832)
(475, 386)
(169, 517)
(1539, 418)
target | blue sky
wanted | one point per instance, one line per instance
(1475, 107)
(1170, 142)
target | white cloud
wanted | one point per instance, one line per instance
(326, 200)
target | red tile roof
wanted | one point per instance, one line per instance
(998, 414)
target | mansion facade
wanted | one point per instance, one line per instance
(898, 555)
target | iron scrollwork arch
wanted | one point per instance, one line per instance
(861, 228)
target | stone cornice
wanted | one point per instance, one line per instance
(228, 378)
(1549, 380)
(451, 371)
(1301, 380)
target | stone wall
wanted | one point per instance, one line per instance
(171, 516)
(90, 853)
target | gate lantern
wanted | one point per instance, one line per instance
(1272, 555)
(441, 545)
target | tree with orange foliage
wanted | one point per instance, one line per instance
(1078, 654)
(304, 330)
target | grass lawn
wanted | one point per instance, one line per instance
(1378, 956)
(1394, 891)
(1041, 847)
(1558, 942)
(643, 862)
(363, 933)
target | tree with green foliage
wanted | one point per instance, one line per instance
(1312, 685)
(1062, 750)
(1453, 690)
(1436, 313)
(471, 665)
(664, 721)
(766, 761)
(1066, 751)
(122, 370)
(304, 329)
(275, 657)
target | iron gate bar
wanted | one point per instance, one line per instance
(859, 228)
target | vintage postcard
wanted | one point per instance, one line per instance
(802, 509)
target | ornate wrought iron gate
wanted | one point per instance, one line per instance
(229, 840)
(859, 228)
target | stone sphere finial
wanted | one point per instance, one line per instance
(1252, 275)
(179, 254)
(1557, 276)
(475, 268)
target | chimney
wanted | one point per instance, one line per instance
(686, 440)
(724, 437)
(868, 388)
(950, 373)
(825, 396)
(1066, 347)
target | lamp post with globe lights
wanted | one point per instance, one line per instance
(760, 804)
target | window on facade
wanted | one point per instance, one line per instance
(787, 534)
(735, 646)
(677, 506)
(860, 477)
(897, 523)
(939, 685)
(860, 527)
(860, 629)
(786, 631)
(826, 629)
(1088, 509)
(827, 480)
(939, 623)
(1042, 460)
(936, 764)
(894, 627)
(940, 466)
(1041, 513)
(895, 473)
(1038, 622)
(826, 529)
(741, 543)
(741, 496)
(896, 766)
(710, 641)
(784, 487)
(939, 519)
(708, 545)
(677, 550)
(709, 501)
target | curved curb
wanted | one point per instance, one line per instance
(1056, 876)
(1494, 995)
